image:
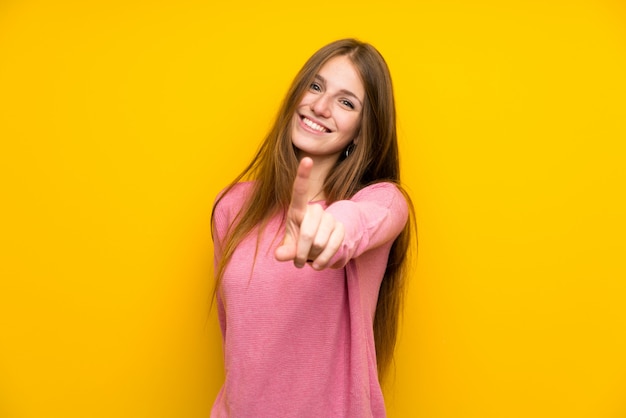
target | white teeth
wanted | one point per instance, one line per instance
(313, 125)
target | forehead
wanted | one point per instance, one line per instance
(339, 73)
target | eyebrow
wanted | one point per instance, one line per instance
(344, 91)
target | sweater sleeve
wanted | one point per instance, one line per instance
(373, 217)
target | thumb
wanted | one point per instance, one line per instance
(287, 250)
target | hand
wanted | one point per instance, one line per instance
(311, 234)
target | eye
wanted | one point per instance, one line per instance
(315, 87)
(347, 103)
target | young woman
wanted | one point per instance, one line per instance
(310, 251)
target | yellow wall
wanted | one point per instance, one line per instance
(120, 121)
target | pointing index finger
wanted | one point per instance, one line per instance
(300, 194)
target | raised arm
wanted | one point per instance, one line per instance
(311, 234)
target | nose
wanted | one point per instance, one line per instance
(321, 106)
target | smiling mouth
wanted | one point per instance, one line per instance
(316, 127)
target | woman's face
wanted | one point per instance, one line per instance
(329, 114)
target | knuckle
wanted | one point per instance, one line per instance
(318, 244)
(307, 236)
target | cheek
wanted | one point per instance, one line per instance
(306, 100)
(351, 124)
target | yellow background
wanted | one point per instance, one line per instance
(120, 121)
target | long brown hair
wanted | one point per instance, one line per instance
(374, 159)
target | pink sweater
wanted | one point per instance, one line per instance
(298, 342)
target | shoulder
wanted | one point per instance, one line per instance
(373, 203)
(234, 193)
(384, 197)
(227, 207)
(232, 198)
(385, 193)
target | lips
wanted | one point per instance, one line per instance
(314, 125)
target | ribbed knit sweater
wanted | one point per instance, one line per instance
(299, 342)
